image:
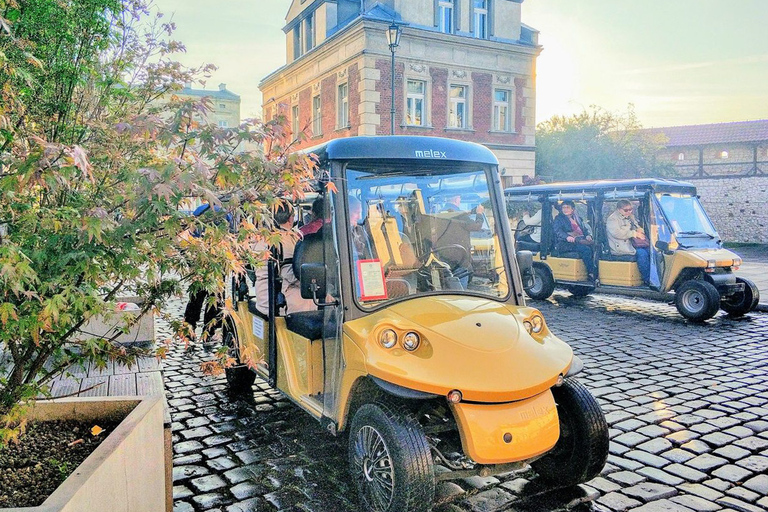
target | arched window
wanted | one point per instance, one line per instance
(724, 154)
(681, 156)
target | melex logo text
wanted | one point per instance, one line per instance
(431, 154)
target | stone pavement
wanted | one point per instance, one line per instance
(687, 405)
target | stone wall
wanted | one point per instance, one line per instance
(737, 206)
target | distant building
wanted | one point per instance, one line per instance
(722, 149)
(464, 69)
(225, 105)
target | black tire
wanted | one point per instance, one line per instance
(743, 302)
(580, 291)
(240, 378)
(401, 476)
(697, 300)
(543, 283)
(581, 451)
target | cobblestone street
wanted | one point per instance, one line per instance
(687, 405)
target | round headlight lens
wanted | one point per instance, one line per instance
(538, 323)
(411, 341)
(388, 338)
(528, 326)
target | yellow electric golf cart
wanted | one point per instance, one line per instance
(686, 253)
(422, 360)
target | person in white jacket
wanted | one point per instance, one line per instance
(622, 227)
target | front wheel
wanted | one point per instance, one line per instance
(582, 449)
(542, 285)
(390, 460)
(240, 378)
(743, 302)
(697, 300)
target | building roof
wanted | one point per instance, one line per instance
(720, 133)
(202, 93)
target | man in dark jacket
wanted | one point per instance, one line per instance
(573, 235)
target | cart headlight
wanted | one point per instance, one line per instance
(534, 324)
(411, 341)
(736, 263)
(388, 338)
(454, 396)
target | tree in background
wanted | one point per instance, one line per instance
(95, 176)
(597, 144)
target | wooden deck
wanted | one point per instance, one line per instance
(143, 378)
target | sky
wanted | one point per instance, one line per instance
(676, 61)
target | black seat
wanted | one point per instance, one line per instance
(522, 245)
(308, 324)
(252, 309)
(308, 250)
(613, 257)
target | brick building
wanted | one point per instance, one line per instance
(465, 69)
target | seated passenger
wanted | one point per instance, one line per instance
(290, 287)
(622, 228)
(529, 231)
(573, 235)
(316, 220)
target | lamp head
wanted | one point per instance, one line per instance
(393, 36)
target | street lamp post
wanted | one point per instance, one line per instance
(393, 37)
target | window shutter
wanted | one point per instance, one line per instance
(491, 17)
(456, 16)
(436, 10)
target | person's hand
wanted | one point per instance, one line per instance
(589, 238)
(570, 239)
(639, 233)
(479, 210)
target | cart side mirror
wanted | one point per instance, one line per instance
(525, 264)
(313, 281)
(663, 246)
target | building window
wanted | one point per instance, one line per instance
(414, 103)
(457, 115)
(298, 41)
(317, 117)
(295, 120)
(342, 115)
(222, 105)
(309, 32)
(481, 19)
(445, 15)
(223, 124)
(502, 110)
(723, 154)
(681, 156)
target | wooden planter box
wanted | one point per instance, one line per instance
(141, 332)
(127, 471)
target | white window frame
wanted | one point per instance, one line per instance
(480, 16)
(317, 115)
(499, 106)
(342, 106)
(445, 16)
(454, 103)
(223, 124)
(295, 128)
(412, 100)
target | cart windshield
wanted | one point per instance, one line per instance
(425, 231)
(689, 221)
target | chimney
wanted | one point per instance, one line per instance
(222, 87)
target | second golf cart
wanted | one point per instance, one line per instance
(686, 253)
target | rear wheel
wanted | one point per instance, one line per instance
(582, 449)
(743, 302)
(390, 460)
(697, 300)
(542, 284)
(240, 378)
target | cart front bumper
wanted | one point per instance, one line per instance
(509, 432)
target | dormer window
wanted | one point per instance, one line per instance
(481, 19)
(445, 16)
(304, 36)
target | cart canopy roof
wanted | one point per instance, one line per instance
(403, 148)
(593, 188)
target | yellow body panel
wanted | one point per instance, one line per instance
(567, 269)
(533, 425)
(620, 273)
(696, 258)
(474, 345)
